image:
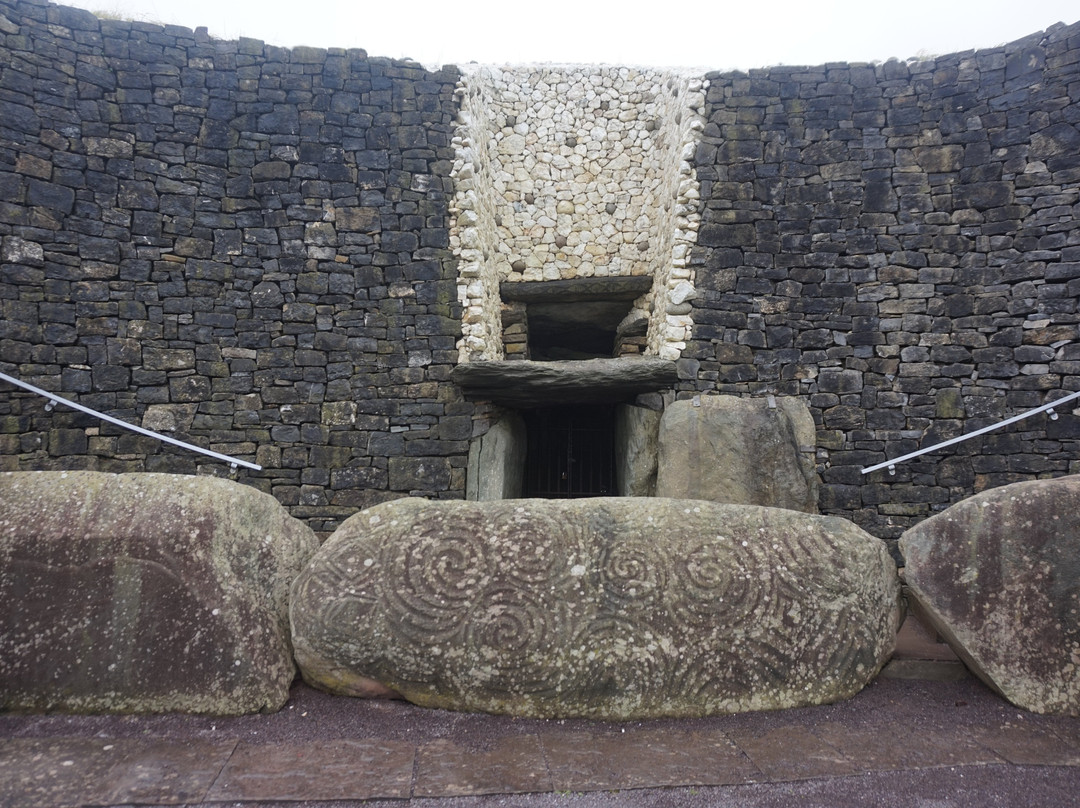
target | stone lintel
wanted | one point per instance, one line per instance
(575, 290)
(525, 383)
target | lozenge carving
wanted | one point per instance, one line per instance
(606, 608)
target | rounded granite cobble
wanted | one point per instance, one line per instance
(575, 172)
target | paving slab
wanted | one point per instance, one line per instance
(645, 758)
(165, 772)
(921, 654)
(791, 752)
(323, 770)
(926, 740)
(1022, 744)
(55, 771)
(93, 771)
(916, 640)
(929, 669)
(1065, 727)
(886, 747)
(513, 765)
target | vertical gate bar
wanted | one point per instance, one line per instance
(571, 476)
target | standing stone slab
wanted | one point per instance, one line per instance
(497, 460)
(145, 593)
(999, 575)
(745, 451)
(609, 608)
(636, 432)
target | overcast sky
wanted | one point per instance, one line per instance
(716, 34)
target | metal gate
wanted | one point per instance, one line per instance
(571, 452)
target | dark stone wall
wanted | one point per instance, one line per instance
(240, 245)
(900, 245)
(246, 247)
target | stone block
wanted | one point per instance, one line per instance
(637, 432)
(739, 450)
(455, 427)
(840, 381)
(271, 170)
(108, 378)
(419, 474)
(339, 413)
(394, 241)
(939, 159)
(16, 250)
(182, 589)
(168, 359)
(1060, 138)
(608, 608)
(109, 147)
(363, 220)
(844, 417)
(726, 235)
(496, 467)
(189, 389)
(880, 197)
(169, 417)
(67, 442)
(58, 198)
(998, 575)
(138, 195)
(19, 117)
(983, 195)
(730, 353)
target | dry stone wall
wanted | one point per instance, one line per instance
(899, 244)
(282, 254)
(240, 245)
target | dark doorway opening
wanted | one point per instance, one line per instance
(586, 330)
(571, 452)
(579, 318)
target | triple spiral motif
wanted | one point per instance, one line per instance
(561, 608)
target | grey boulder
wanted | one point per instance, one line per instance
(999, 576)
(145, 593)
(744, 451)
(604, 608)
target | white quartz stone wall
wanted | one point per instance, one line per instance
(567, 172)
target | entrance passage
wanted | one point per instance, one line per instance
(571, 452)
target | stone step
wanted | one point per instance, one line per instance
(922, 654)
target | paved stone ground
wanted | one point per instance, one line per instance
(901, 742)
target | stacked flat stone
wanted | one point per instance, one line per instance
(242, 245)
(899, 244)
(249, 247)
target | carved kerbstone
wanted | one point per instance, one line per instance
(605, 608)
(145, 593)
(999, 575)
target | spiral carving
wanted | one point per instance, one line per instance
(633, 577)
(511, 638)
(345, 589)
(622, 660)
(529, 547)
(433, 578)
(602, 608)
(713, 586)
